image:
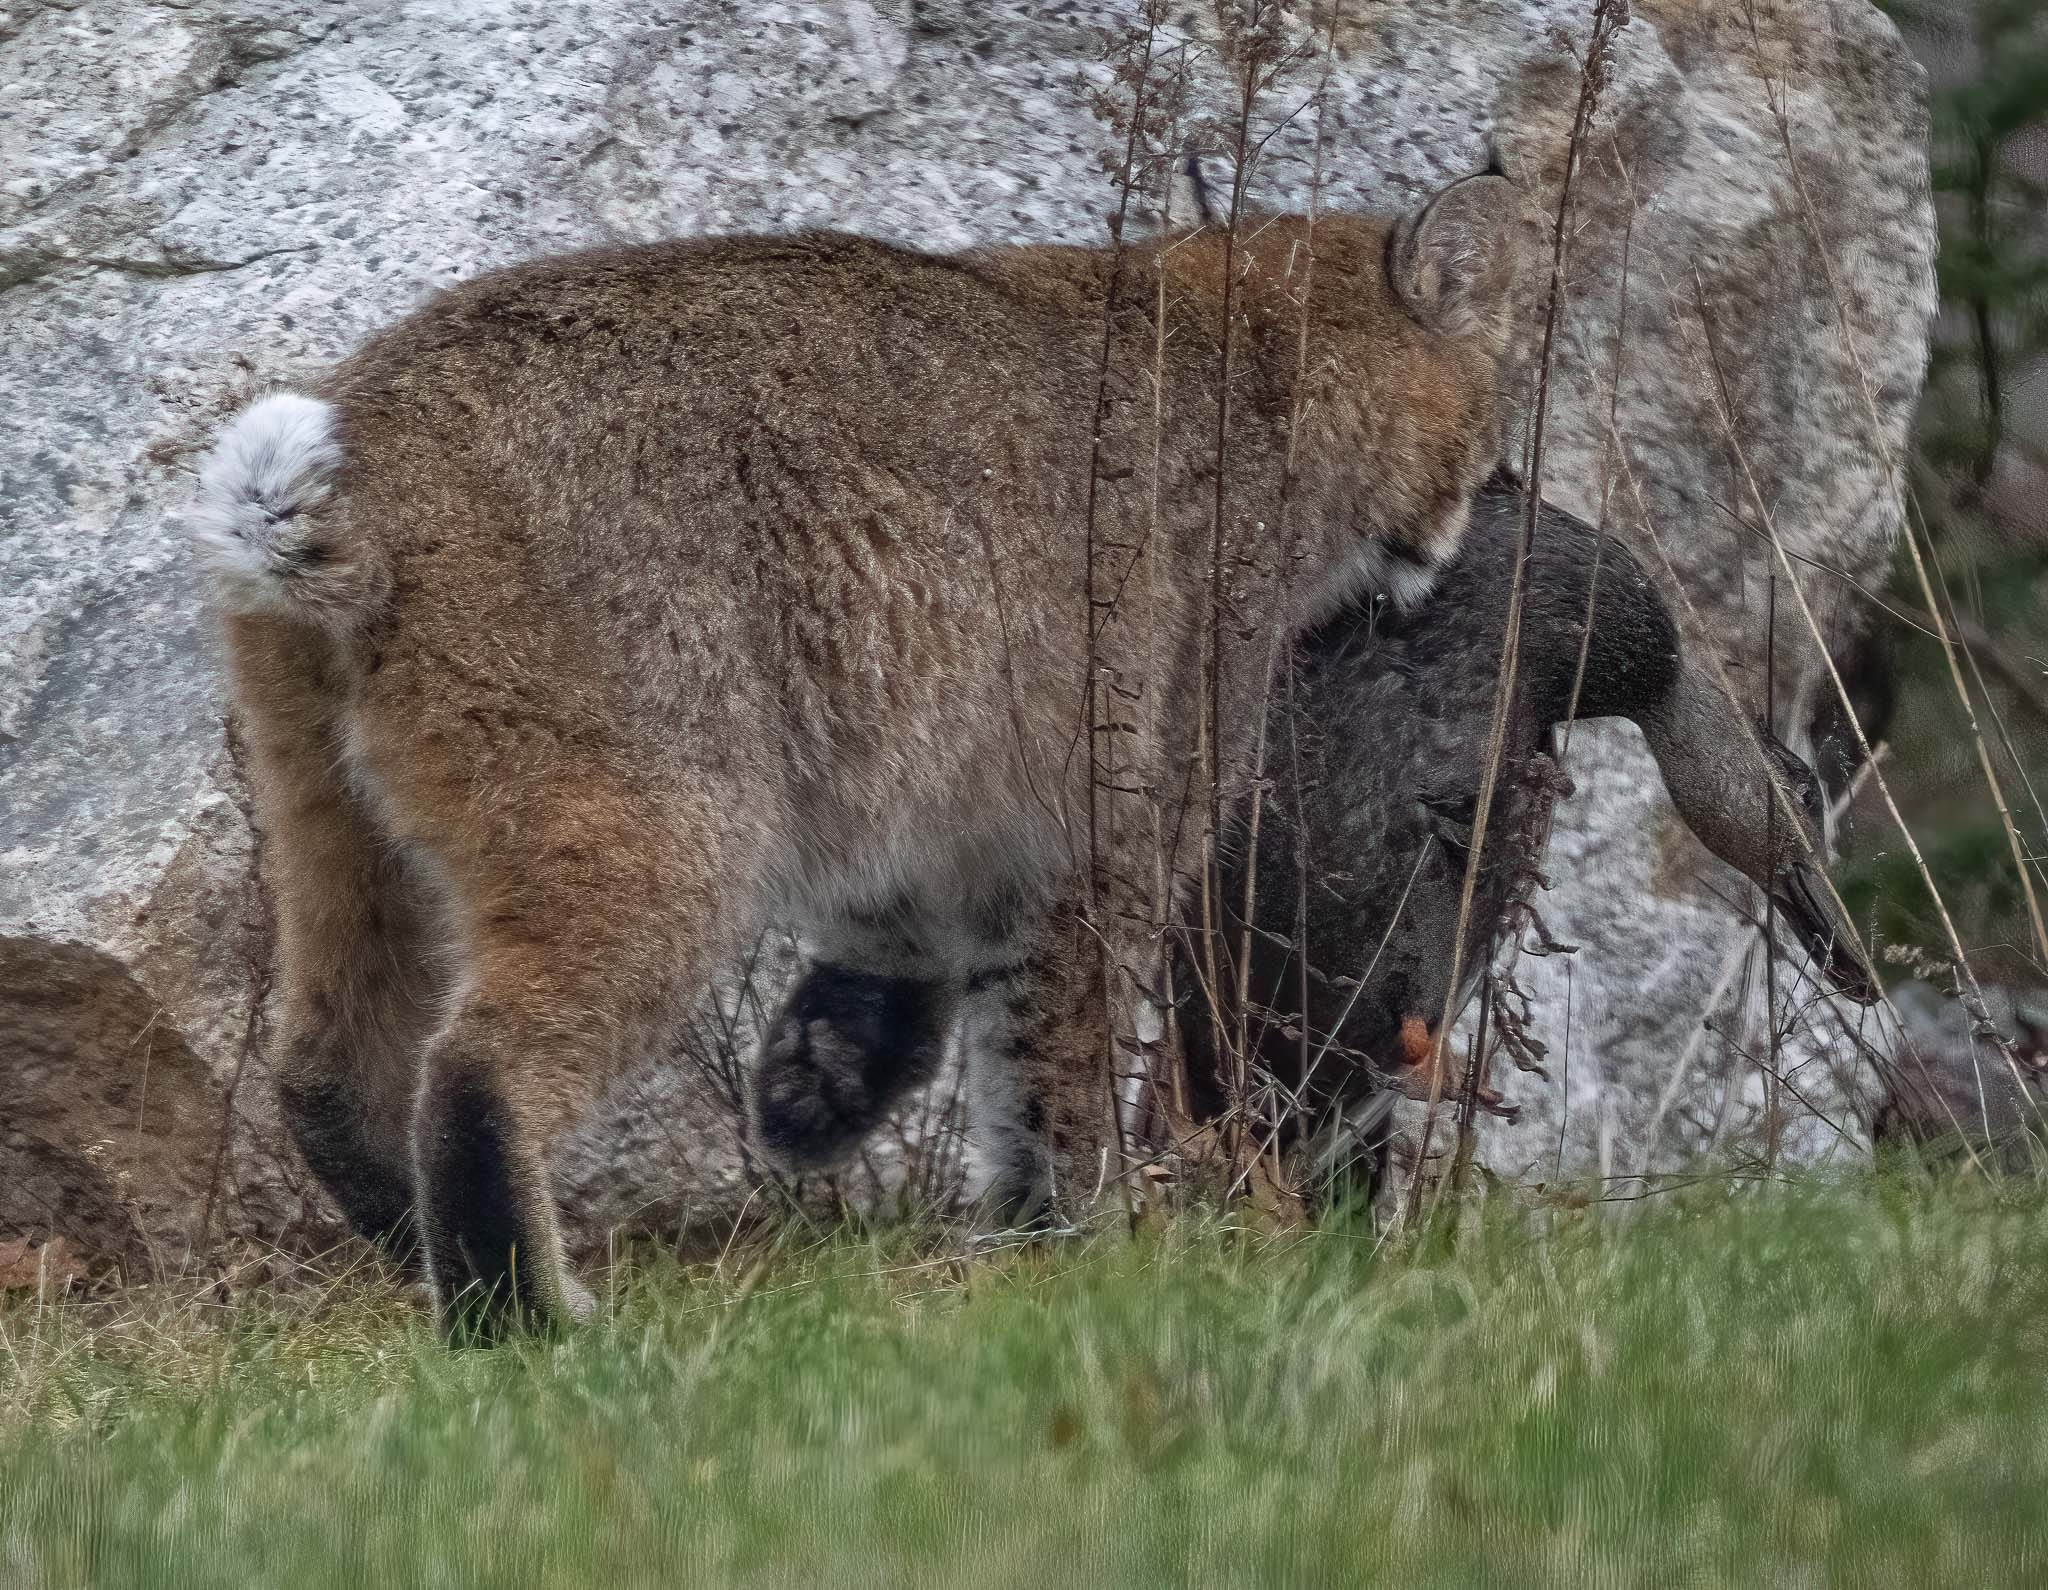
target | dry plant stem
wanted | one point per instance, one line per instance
(1608, 16)
(1607, 451)
(1250, 62)
(1248, 905)
(1971, 639)
(1972, 995)
(1307, 1066)
(1101, 610)
(1496, 737)
(1144, 562)
(1628, 234)
(1593, 579)
(1977, 642)
(1948, 652)
(1212, 661)
(1279, 662)
(262, 973)
(1468, 1102)
(1773, 1076)
(1775, 98)
(1564, 1074)
(1773, 1106)
(1161, 872)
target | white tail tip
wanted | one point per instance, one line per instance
(254, 521)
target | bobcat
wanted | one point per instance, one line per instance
(611, 603)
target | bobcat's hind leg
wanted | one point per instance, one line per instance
(588, 918)
(358, 963)
(363, 987)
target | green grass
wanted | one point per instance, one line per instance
(1819, 1387)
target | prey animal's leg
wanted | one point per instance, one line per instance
(1421, 1060)
(864, 1025)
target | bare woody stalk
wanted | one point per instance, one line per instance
(1984, 762)
(1609, 16)
(1476, 1077)
(1255, 49)
(1292, 553)
(1607, 464)
(1972, 997)
(1969, 990)
(1773, 1086)
(1781, 119)
(1281, 661)
(1161, 872)
(1247, 58)
(1628, 234)
(1102, 608)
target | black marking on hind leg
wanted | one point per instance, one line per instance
(326, 1120)
(846, 1045)
(487, 1257)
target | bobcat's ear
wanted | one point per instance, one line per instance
(1458, 263)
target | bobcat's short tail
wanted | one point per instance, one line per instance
(266, 524)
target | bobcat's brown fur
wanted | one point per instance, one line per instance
(611, 602)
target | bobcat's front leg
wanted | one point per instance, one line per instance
(1043, 1073)
(864, 1025)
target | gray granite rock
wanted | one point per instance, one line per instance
(199, 200)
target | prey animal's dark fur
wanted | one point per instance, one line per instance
(1365, 828)
(1364, 838)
